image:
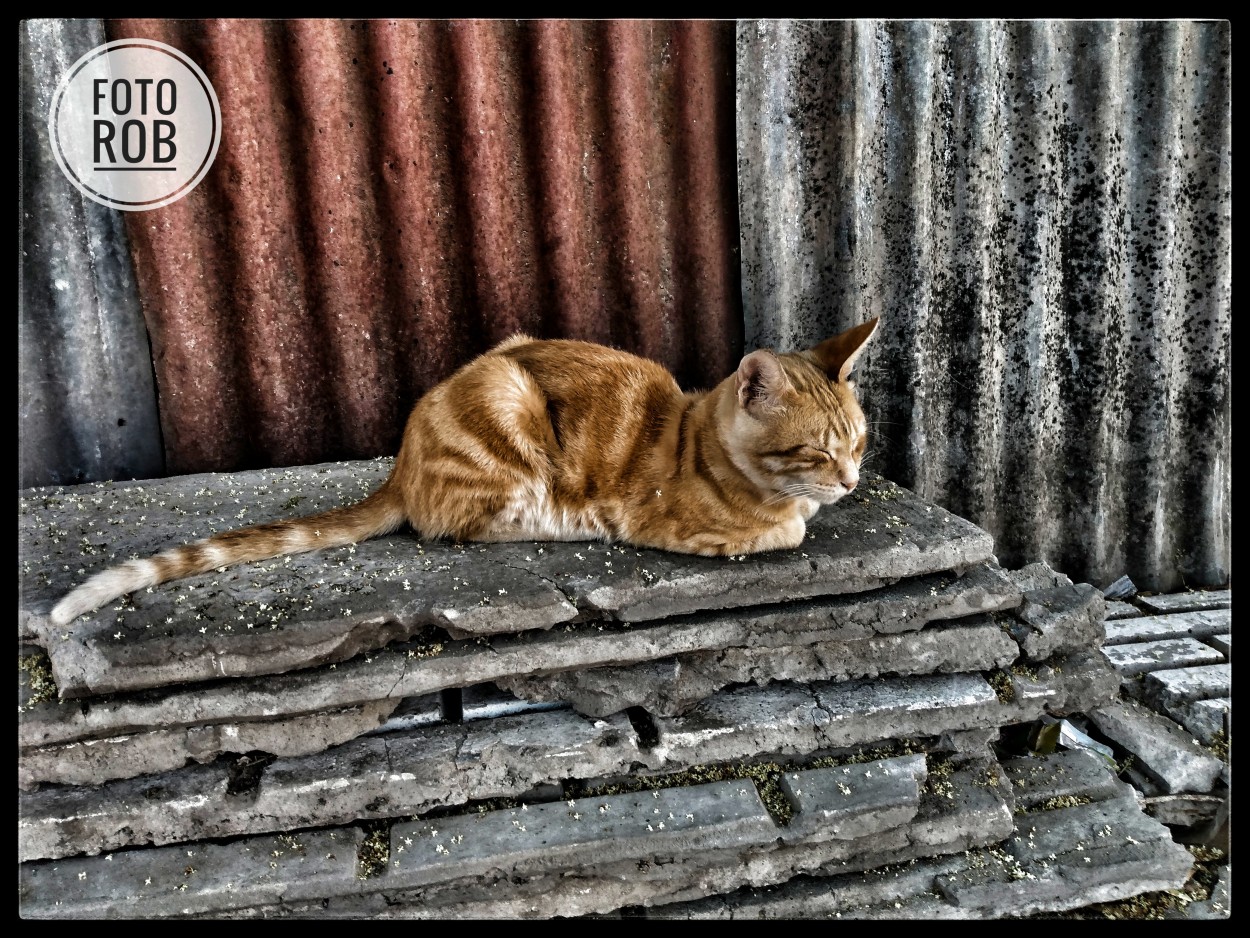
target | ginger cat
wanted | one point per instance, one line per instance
(564, 440)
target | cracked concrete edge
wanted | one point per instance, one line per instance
(424, 667)
(723, 855)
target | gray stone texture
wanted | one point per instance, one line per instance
(789, 718)
(1173, 688)
(1161, 748)
(327, 606)
(381, 776)
(1204, 718)
(1064, 774)
(516, 862)
(421, 667)
(1139, 657)
(1121, 610)
(90, 761)
(1201, 625)
(1057, 859)
(673, 685)
(1186, 602)
(1052, 619)
(1059, 619)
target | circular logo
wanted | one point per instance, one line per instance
(135, 124)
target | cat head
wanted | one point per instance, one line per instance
(797, 428)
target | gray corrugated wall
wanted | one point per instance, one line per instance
(86, 399)
(1040, 212)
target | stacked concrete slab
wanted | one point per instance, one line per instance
(1174, 656)
(419, 729)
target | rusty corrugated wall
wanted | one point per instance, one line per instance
(392, 198)
(1041, 213)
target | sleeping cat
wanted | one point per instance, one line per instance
(559, 440)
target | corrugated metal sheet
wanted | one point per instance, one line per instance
(392, 198)
(86, 398)
(1041, 213)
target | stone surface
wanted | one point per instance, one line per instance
(1222, 643)
(1184, 810)
(671, 686)
(855, 800)
(1204, 718)
(1185, 602)
(380, 776)
(1063, 774)
(438, 663)
(1160, 747)
(1121, 610)
(1040, 868)
(1103, 851)
(1167, 690)
(183, 880)
(1177, 625)
(1218, 906)
(327, 606)
(665, 844)
(1138, 657)
(1062, 618)
(788, 718)
(92, 761)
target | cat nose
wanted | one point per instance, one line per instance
(850, 483)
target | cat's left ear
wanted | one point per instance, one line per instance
(837, 355)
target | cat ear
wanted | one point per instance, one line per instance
(761, 381)
(837, 355)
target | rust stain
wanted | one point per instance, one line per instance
(391, 198)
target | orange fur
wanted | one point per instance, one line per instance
(567, 440)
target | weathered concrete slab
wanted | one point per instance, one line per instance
(462, 848)
(1178, 625)
(508, 862)
(1121, 853)
(437, 663)
(410, 713)
(789, 718)
(1222, 643)
(1103, 851)
(331, 605)
(1168, 690)
(187, 879)
(1059, 619)
(380, 776)
(975, 813)
(1139, 657)
(673, 685)
(1186, 602)
(1121, 610)
(91, 761)
(1061, 776)
(855, 800)
(1204, 718)
(1184, 810)
(1160, 747)
(411, 773)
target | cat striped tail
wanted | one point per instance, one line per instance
(380, 513)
